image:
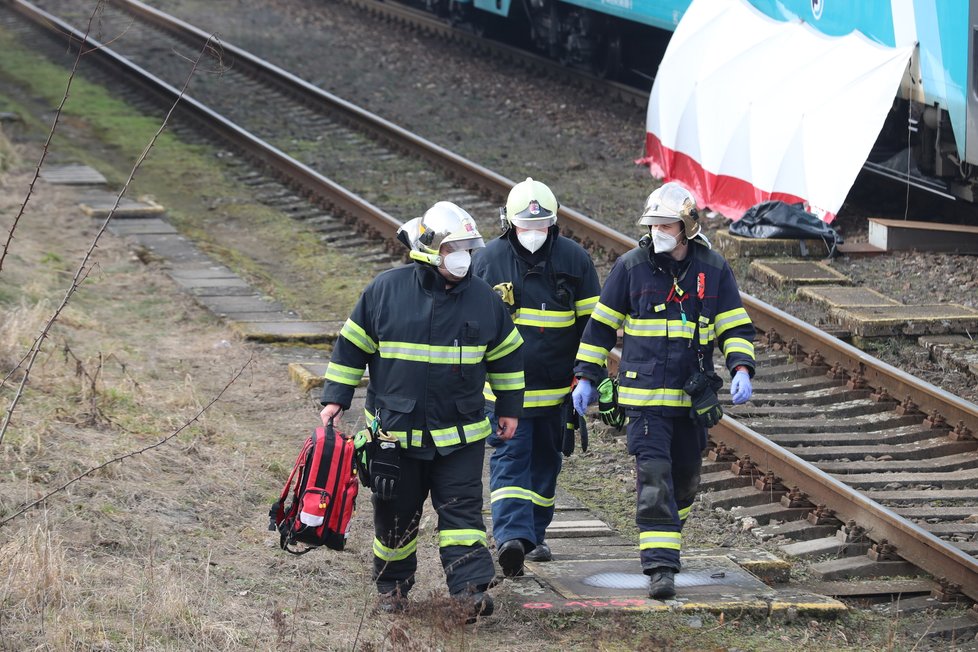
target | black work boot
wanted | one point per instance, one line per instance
(391, 600)
(511, 557)
(662, 584)
(540, 553)
(475, 605)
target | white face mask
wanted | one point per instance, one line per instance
(532, 240)
(457, 263)
(663, 243)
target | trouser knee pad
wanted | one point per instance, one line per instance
(654, 493)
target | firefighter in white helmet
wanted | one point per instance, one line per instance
(549, 284)
(675, 299)
(432, 335)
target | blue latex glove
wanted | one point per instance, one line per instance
(584, 395)
(740, 389)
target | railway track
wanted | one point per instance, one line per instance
(833, 439)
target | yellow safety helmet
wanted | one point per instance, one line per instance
(531, 205)
(442, 224)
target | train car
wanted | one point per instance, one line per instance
(930, 137)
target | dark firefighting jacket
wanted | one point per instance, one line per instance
(672, 313)
(430, 352)
(553, 295)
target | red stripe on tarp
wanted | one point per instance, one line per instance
(725, 194)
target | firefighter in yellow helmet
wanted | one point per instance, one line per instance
(549, 284)
(432, 335)
(675, 299)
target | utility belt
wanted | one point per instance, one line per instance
(438, 437)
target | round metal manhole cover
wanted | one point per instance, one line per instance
(637, 581)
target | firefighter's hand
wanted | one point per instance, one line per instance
(331, 411)
(507, 428)
(740, 389)
(584, 394)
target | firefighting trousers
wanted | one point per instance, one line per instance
(523, 478)
(455, 484)
(668, 457)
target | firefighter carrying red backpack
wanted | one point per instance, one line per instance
(323, 495)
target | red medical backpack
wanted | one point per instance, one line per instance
(323, 495)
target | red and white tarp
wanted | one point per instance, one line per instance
(746, 108)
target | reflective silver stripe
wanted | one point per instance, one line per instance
(544, 318)
(355, 333)
(669, 540)
(507, 346)
(343, 374)
(395, 554)
(727, 320)
(607, 315)
(431, 353)
(660, 396)
(544, 397)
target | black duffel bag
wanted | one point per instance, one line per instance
(778, 219)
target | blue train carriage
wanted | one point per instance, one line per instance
(612, 37)
(936, 108)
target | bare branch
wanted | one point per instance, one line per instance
(173, 434)
(47, 143)
(82, 268)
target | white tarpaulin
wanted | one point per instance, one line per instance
(746, 108)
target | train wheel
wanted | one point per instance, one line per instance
(607, 63)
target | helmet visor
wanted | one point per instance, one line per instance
(534, 216)
(462, 245)
(649, 220)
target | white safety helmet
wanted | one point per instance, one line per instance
(531, 205)
(442, 224)
(672, 203)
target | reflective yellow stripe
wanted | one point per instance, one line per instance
(645, 397)
(585, 307)
(533, 397)
(669, 540)
(343, 374)
(441, 437)
(607, 316)
(431, 353)
(476, 431)
(519, 493)
(505, 381)
(544, 397)
(727, 320)
(395, 554)
(353, 332)
(738, 345)
(591, 353)
(684, 512)
(544, 318)
(659, 328)
(462, 538)
(507, 346)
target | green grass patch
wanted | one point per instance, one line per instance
(269, 249)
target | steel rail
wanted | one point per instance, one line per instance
(877, 373)
(472, 174)
(930, 553)
(318, 187)
(913, 543)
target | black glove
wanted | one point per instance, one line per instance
(569, 421)
(702, 389)
(385, 466)
(584, 437)
(608, 409)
